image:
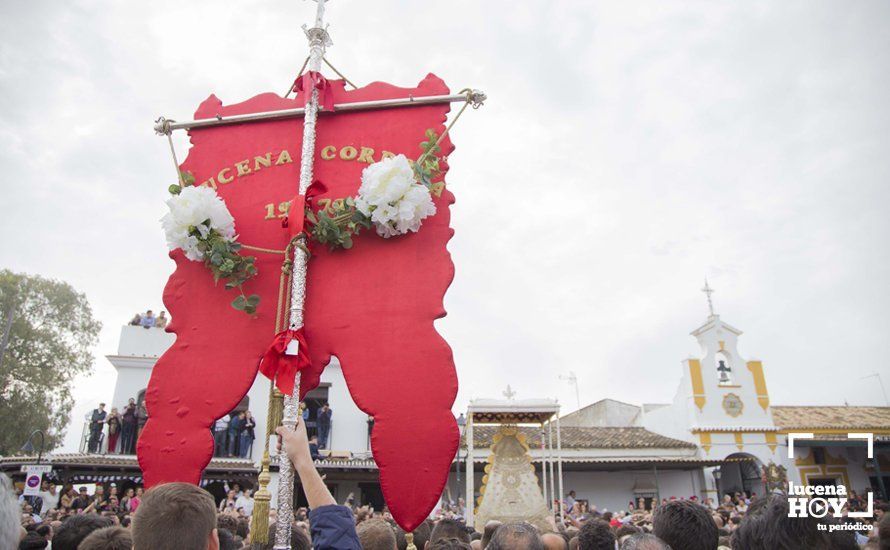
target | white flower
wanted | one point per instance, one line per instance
(393, 199)
(198, 207)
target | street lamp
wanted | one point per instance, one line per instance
(717, 473)
(28, 447)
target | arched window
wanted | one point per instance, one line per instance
(724, 369)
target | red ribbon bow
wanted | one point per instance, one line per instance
(312, 80)
(295, 220)
(280, 367)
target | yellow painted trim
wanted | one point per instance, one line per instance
(810, 459)
(698, 384)
(824, 471)
(739, 442)
(833, 431)
(756, 368)
(722, 345)
(705, 439)
(770, 441)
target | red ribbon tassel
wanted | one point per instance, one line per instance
(313, 80)
(281, 367)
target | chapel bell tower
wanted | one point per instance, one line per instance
(728, 391)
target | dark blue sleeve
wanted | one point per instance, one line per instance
(333, 527)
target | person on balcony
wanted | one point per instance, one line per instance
(114, 429)
(220, 428)
(128, 428)
(324, 425)
(161, 321)
(97, 422)
(236, 424)
(247, 435)
(148, 320)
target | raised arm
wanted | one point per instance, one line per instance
(296, 443)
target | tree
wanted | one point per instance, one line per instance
(47, 331)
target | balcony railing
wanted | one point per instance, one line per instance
(100, 443)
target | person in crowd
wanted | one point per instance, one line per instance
(449, 544)
(67, 496)
(175, 516)
(32, 541)
(376, 534)
(767, 526)
(161, 321)
(112, 504)
(299, 540)
(81, 501)
(228, 504)
(489, 530)
(570, 500)
(220, 428)
(48, 496)
(136, 320)
(245, 502)
(76, 528)
(114, 429)
(644, 541)
(450, 529)
(97, 422)
(128, 428)
(108, 538)
(685, 524)
(518, 535)
(129, 493)
(148, 320)
(234, 433)
(421, 533)
(332, 526)
(134, 502)
(554, 541)
(227, 540)
(324, 425)
(596, 535)
(247, 435)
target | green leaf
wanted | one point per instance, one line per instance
(239, 303)
(174, 189)
(249, 309)
(253, 299)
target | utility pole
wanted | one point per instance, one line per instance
(572, 379)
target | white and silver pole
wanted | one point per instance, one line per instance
(318, 41)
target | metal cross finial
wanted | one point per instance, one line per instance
(509, 393)
(708, 291)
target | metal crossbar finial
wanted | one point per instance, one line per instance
(708, 291)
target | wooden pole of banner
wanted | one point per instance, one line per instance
(318, 41)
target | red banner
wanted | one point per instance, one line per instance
(372, 306)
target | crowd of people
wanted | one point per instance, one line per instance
(116, 431)
(121, 427)
(149, 320)
(233, 435)
(181, 516)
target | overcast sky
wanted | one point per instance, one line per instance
(627, 151)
